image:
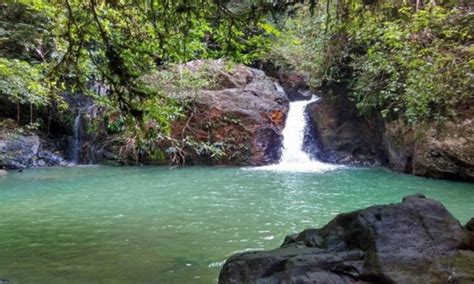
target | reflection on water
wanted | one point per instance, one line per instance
(152, 224)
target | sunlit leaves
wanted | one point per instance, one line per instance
(395, 60)
(23, 83)
(414, 68)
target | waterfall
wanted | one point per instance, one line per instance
(76, 138)
(293, 158)
(293, 134)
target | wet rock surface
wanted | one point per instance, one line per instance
(20, 150)
(415, 241)
(340, 135)
(295, 85)
(436, 149)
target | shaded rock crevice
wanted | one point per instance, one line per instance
(432, 149)
(342, 136)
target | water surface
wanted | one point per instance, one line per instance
(153, 224)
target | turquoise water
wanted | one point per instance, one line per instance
(153, 224)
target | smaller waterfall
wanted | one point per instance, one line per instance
(76, 138)
(293, 158)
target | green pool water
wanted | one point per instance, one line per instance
(156, 225)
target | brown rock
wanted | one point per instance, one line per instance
(243, 111)
(470, 228)
(295, 84)
(433, 150)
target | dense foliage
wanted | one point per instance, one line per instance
(74, 44)
(105, 49)
(26, 52)
(399, 60)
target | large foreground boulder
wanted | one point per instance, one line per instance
(415, 241)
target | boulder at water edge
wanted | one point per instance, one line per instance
(342, 135)
(415, 241)
(444, 150)
(21, 149)
(240, 113)
(243, 111)
(17, 151)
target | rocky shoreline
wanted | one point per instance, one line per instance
(437, 150)
(415, 241)
(21, 149)
(242, 114)
(339, 134)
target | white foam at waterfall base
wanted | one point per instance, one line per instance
(293, 158)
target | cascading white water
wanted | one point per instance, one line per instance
(293, 134)
(76, 136)
(293, 157)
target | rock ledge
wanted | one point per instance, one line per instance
(415, 241)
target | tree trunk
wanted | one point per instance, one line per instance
(49, 121)
(17, 112)
(31, 113)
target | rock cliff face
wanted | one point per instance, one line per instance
(343, 136)
(19, 150)
(438, 150)
(415, 241)
(244, 111)
(241, 113)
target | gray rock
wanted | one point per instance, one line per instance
(433, 150)
(295, 84)
(415, 241)
(17, 151)
(40, 163)
(470, 230)
(50, 159)
(340, 135)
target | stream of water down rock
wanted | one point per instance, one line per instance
(293, 158)
(95, 224)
